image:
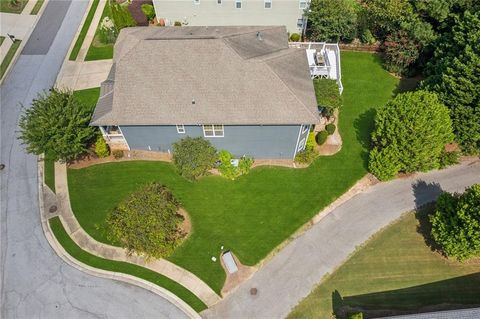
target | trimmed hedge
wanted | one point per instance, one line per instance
(330, 128)
(321, 137)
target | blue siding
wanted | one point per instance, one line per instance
(259, 141)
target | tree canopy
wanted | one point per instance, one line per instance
(454, 74)
(410, 135)
(332, 20)
(57, 124)
(147, 222)
(456, 223)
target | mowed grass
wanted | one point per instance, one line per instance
(393, 273)
(97, 49)
(257, 212)
(122, 267)
(8, 7)
(8, 57)
(83, 31)
(38, 5)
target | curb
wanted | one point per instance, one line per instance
(60, 251)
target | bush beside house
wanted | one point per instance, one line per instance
(193, 157)
(101, 147)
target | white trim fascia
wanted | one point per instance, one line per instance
(298, 140)
(126, 142)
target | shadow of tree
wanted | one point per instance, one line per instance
(364, 125)
(424, 227)
(453, 293)
(425, 193)
(407, 84)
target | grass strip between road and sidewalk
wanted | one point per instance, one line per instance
(49, 172)
(37, 7)
(8, 58)
(83, 31)
(122, 267)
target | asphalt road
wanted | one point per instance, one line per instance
(292, 273)
(35, 282)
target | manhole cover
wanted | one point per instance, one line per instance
(53, 209)
(2, 166)
(253, 291)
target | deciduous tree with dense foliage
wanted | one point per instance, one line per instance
(410, 135)
(193, 157)
(456, 223)
(332, 20)
(147, 222)
(57, 124)
(454, 74)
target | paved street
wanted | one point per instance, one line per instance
(35, 283)
(291, 274)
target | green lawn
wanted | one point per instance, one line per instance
(6, 6)
(83, 31)
(8, 57)
(392, 273)
(37, 6)
(256, 212)
(122, 267)
(1, 39)
(88, 96)
(49, 171)
(98, 50)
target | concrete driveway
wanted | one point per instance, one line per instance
(35, 283)
(291, 274)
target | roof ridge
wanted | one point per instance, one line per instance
(289, 89)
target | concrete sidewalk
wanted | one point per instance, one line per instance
(291, 274)
(91, 29)
(161, 266)
(83, 75)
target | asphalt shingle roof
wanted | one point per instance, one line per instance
(206, 75)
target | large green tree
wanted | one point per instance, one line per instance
(456, 223)
(193, 157)
(57, 124)
(410, 135)
(147, 222)
(454, 73)
(332, 20)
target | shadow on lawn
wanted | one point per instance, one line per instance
(454, 293)
(364, 125)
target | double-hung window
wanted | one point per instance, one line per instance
(213, 130)
(181, 129)
(302, 4)
(238, 4)
(267, 4)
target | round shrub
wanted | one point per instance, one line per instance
(295, 37)
(147, 222)
(321, 137)
(148, 11)
(177, 24)
(193, 157)
(117, 154)
(330, 128)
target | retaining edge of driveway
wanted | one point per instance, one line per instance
(68, 259)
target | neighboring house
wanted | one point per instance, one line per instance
(234, 12)
(473, 313)
(242, 88)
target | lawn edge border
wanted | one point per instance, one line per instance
(77, 34)
(70, 260)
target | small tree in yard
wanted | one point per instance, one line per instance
(456, 223)
(410, 135)
(57, 124)
(147, 222)
(193, 157)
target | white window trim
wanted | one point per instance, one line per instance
(301, 145)
(213, 131)
(180, 129)
(305, 129)
(269, 1)
(241, 4)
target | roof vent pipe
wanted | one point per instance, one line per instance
(193, 101)
(259, 36)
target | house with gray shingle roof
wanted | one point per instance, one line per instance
(243, 88)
